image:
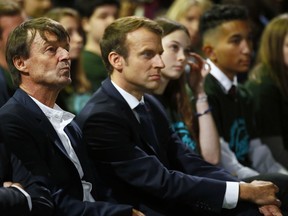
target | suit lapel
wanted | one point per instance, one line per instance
(75, 141)
(40, 117)
(109, 88)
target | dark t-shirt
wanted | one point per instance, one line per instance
(233, 117)
(178, 125)
(94, 68)
(270, 109)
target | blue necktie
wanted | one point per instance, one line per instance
(147, 125)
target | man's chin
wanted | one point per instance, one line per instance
(66, 82)
(244, 70)
(151, 89)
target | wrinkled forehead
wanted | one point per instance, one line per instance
(39, 39)
(47, 36)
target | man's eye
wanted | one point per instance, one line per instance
(51, 49)
(148, 54)
(236, 40)
(67, 48)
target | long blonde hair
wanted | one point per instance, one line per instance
(270, 57)
(179, 8)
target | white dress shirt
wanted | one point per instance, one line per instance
(225, 82)
(59, 120)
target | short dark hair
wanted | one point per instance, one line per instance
(114, 38)
(170, 26)
(19, 40)
(8, 8)
(58, 13)
(219, 14)
(87, 7)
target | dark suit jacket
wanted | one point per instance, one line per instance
(5, 93)
(151, 181)
(33, 139)
(12, 200)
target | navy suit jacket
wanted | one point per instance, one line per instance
(137, 174)
(33, 139)
(4, 91)
(12, 200)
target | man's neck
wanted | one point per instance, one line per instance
(93, 47)
(162, 87)
(219, 75)
(45, 96)
(230, 75)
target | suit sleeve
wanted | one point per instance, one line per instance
(16, 132)
(13, 202)
(112, 143)
(41, 198)
(72, 207)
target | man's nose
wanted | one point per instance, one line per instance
(159, 62)
(63, 54)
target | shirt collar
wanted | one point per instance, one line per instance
(130, 99)
(55, 113)
(221, 77)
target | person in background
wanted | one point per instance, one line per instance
(188, 13)
(10, 17)
(268, 83)
(74, 96)
(202, 136)
(260, 13)
(96, 16)
(61, 3)
(146, 164)
(42, 135)
(196, 128)
(36, 8)
(227, 42)
(20, 193)
(128, 8)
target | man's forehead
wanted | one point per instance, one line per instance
(142, 35)
(234, 28)
(236, 25)
(47, 37)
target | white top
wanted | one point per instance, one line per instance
(59, 120)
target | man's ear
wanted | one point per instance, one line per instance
(208, 50)
(85, 24)
(20, 64)
(116, 60)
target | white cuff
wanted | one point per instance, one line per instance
(26, 195)
(231, 195)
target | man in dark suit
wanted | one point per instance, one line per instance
(40, 133)
(11, 15)
(158, 174)
(20, 193)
